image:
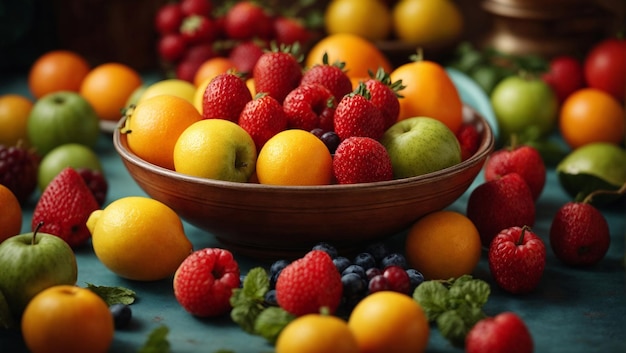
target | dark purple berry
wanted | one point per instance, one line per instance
(96, 182)
(270, 298)
(331, 140)
(394, 259)
(398, 279)
(354, 269)
(372, 272)
(318, 132)
(122, 314)
(365, 260)
(329, 249)
(378, 250)
(18, 171)
(353, 285)
(278, 266)
(377, 283)
(415, 277)
(341, 262)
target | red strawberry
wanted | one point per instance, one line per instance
(523, 160)
(204, 282)
(246, 20)
(277, 72)
(332, 76)
(224, 97)
(198, 29)
(517, 258)
(168, 18)
(469, 140)
(196, 7)
(361, 160)
(384, 95)
(499, 204)
(504, 333)
(245, 55)
(310, 106)
(308, 284)
(579, 234)
(290, 30)
(64, 207)
(263, 117)
(171, 47)
(356, 115)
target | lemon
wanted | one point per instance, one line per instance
(139, 238)
(172, 86)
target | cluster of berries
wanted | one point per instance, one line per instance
(193, 31)
(346, 281)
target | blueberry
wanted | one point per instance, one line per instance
(415, 277)
(122, 314)
(330, 250)
(318, 132)
(331, 140)
(365, 260)
(378, 250)
(394, 259)
(274, 279)
(341, 263)
(270, 298)
(354, 269)
(353, 285)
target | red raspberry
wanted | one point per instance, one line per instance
(18, 171)
(469, 139)
(309, 284)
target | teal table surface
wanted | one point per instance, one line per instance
(572, 310)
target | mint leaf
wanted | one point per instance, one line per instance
(157, 341)
(433, 297)
(256, 283)
(472, 291)
(271, 322)
(113, 295)
(245, 315)
(248, 301)
(452, 327)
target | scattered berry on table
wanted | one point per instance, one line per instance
(122, 315)
(97, 183)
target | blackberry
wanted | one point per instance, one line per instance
(18, 171)
(122, 314)
(96, 182)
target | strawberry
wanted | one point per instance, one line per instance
(64, 207)
(356, 115)
(523, 160)
(290, 30)
(277, 72)
(310, 106)
(503, 333)
(168, 18)
(579, 234)
(499, 204)
(196, 7)
(246, 20)
(469, 140)
(171, 47)
(361, 160)
(384, 95)
(198, 29)
(263, 117)
(308, 284)
(517, 258)
(332, 76)
(245, 55)
(205, 280)
(224, 97)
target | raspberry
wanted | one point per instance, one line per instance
(96, 182)
(18, 171)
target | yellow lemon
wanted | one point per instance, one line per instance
(139, 238)
(171, 86)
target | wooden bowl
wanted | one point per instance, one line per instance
(271, 222)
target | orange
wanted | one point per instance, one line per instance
(443, 245)
(107, 87)
(389, 322)
(58, 70)
(370, 19)
(591, 115)
(211, 68)
(154, 125)
(431, 23)
(315, 333)
(14, 110)
(69, 319)
(358, 54)
(430, 92)
(11, 215)
(294, 157)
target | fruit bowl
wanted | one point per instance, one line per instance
(271, 222)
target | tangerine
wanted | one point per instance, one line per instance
(211, 68)
(359, 55)
(57, 70)
(315, 333)
(11, 215)
(443, 245)
(14, 111)
(107, 88)
(153, 126)
(370, 19)
(294, 157)
(591, 115)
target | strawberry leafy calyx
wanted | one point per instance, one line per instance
(361, 90)
(337, 63)
(294, 50)
(385, 78)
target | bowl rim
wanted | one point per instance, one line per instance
(486, 147)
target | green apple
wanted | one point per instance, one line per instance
(72, 155)
(62, 117)
(525, 106)
(32, 262)
(595, 166)
(420, 145)
(215, 149)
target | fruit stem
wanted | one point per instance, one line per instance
(591, 195)
(39, 225)
(520, 240)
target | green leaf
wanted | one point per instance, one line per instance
(271, 322)
(453, 327)
(433, 297)
(113, 295)
(248, 301)
(256, 283)
(472, 291)
(157, 341)
(245, 315)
